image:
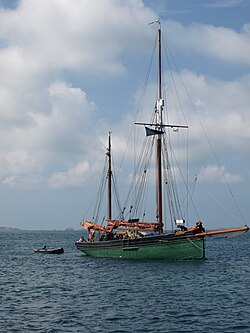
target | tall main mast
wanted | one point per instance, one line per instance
(159, 107)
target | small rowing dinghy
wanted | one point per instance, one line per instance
(50, 250)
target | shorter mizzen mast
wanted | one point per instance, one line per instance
(109, 179)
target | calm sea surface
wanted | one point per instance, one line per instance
(74, 293)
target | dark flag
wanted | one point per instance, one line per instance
(150, 131)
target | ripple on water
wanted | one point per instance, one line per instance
(75, 293)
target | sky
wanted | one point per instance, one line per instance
(72, 70)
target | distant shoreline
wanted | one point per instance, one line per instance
(7, 229)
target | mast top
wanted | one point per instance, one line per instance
(157, 21)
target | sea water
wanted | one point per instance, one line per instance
(71, 292)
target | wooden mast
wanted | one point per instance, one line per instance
(109, 178)
(159, 106)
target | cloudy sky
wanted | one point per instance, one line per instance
(72, 70)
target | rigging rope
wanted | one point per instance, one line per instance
(139, 108)
(202, 126)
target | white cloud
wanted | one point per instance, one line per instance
(214, 174)
(217, 42)
(81, 36)
(47, 123)
(223, 3)
(220, 107)
(74, 177)
(52, 137)
(13, 161)
(26, 182)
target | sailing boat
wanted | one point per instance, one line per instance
(139, 239)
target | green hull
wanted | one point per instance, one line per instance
(148, 248)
